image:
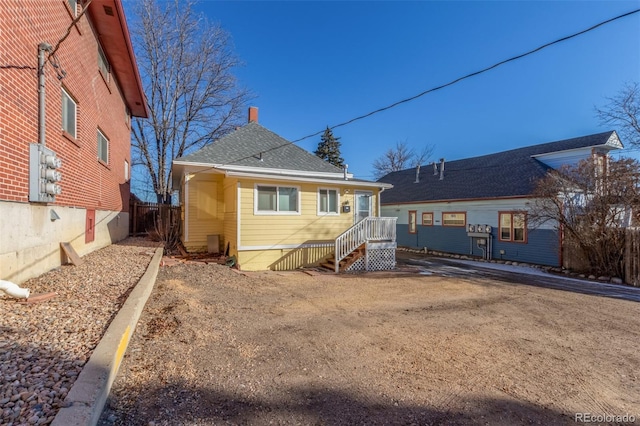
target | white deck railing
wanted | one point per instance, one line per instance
(368, 229)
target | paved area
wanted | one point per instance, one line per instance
(448, 267)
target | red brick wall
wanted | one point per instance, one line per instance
(86, 182)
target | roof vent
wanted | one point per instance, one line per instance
(417, 174)
(441, 168)
(435, 168)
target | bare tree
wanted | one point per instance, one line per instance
(399, 158)
(591, 203)
(623, 110)
(193, 98)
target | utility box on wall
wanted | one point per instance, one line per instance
(43, 174)
(346, 208)
(213, 244)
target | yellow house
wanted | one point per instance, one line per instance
(273, 205)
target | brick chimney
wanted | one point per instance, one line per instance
(253, 114)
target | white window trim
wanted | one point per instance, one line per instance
(99, 150)
(277, 212)
(103, 58)
(355, 202)
(73, 7)
(75, 114)
(337, 212)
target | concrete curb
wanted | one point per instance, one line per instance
(89, 393)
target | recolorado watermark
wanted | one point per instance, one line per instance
(603, 418)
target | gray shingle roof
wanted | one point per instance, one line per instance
(243, 147)
(504, 174)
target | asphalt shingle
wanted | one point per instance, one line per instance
(255, 146)
(504, 174)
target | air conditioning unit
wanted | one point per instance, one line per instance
(479, 228)
(471, 228)
(487, 229)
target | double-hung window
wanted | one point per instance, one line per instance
(68, 114)
(513, 227)
(277, 199)
(413, 217)
(103, 65)
(103, 148)
(73, 5)
(327, 201)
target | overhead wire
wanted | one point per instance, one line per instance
(18, 67)
(51, 57)
(473, 74)
(452, 82)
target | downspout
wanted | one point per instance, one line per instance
(561, 251)
(560, 241)
(380, 192)
(186, 177)
(14, 290)
(42, 47)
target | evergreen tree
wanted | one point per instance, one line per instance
(329, 149)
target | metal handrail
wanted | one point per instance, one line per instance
(368, 229)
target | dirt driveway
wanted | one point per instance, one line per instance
(217, 347)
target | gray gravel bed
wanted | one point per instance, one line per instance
(44, 346)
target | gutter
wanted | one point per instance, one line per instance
(281, 177)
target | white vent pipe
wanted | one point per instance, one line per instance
(14, 290)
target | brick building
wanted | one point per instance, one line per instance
(91, 89)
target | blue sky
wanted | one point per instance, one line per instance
(313, 64)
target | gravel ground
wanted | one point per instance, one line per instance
(214, 347)
(44, 346)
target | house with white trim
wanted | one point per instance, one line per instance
(273, 205)
(477, 206)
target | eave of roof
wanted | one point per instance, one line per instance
(181, 168)
(248, 169)
(329, 181)
(113, 33)
(506, 174)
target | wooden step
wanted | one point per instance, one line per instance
(330, 263)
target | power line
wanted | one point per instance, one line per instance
(473, 74)
(71, 25)
(18, 67)
(457, 80)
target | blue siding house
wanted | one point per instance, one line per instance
(477, 206)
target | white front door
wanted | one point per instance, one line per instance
(363, 205)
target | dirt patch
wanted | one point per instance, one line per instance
(214, 346)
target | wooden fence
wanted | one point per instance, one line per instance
(632, 257)
(146, 217)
